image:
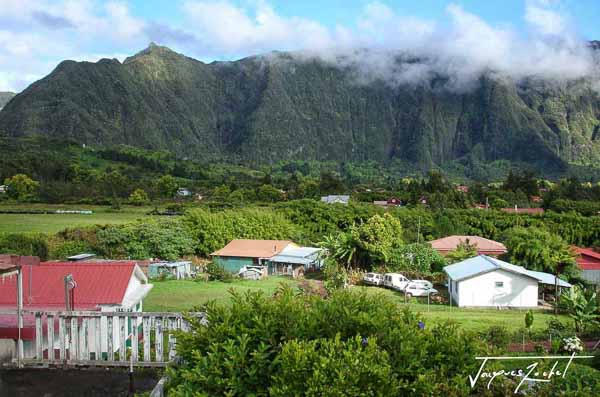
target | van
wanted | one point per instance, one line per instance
(395, 281)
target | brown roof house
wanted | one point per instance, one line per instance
(239, 253)
(484, 246)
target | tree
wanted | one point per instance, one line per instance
(268, 193)
(21, 187)
(167, 186)
(115, 184)
(538, 249)
(138, 197)
(582, 308)
(464, 250)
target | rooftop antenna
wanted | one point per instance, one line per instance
(70, 285)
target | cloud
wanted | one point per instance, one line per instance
(546, 16)
(381, 44)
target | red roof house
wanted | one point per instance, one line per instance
(529, 211)
(97, 286)
(484, 246)
(587, 258)
(589, 263)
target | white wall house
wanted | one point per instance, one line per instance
(484, 281)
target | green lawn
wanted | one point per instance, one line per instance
(52, 223)
(184, 295)
(471, 319)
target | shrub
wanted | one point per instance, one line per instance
(314, 368)
(24, 244)
(263, 345)
(217, 272)
(497, 336)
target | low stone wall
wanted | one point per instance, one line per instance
(97, 382)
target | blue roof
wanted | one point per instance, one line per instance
(299, 255)
(483, 264)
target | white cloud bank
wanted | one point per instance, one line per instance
(37, 33)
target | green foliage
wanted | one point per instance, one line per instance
(165, 239)
(293, 344)
(139, 197)
(268, 193)
(415, 259)
(540, 250)
(464, 250)
(497, 336)
(24, 244)
(529, 320)
(167, 186)
(334, 367)
(64, 249)
(213, 230)
(21, 187)
(216, 272)
(582, 307)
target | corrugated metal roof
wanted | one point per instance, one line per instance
(97, 284)
(297, 255)
(253, 248)
(483, 264)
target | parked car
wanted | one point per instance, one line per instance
(418, 289)
(395, 281)
(373, 278)
(424, 283)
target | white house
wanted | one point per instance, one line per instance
(336, 199)
(486, 281)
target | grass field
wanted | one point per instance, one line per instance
(183, 295)
(52, 223)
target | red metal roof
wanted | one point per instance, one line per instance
(43, 285)
(588, 259)
(531, 211)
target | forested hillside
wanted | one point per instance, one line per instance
(263, 109)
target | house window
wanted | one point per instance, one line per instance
(499, 284)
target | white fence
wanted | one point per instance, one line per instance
(103, 338)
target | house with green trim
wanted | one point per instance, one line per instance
(241, 252)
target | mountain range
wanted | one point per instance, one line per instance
(264, 109)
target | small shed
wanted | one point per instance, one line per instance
(177, 270)
(294, 261)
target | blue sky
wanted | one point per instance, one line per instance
(35, 35)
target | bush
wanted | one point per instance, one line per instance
(497, 336)
(216, 272)
(262, 345)
(24, 244)
(313, 368)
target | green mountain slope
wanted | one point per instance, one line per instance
(265, 109)
(5, 97)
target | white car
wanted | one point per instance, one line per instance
(423, 283)
(373, 278)
(418, 289)
(395, 281)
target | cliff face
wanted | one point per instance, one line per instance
(257, 111)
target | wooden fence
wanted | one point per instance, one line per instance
(79, 338)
